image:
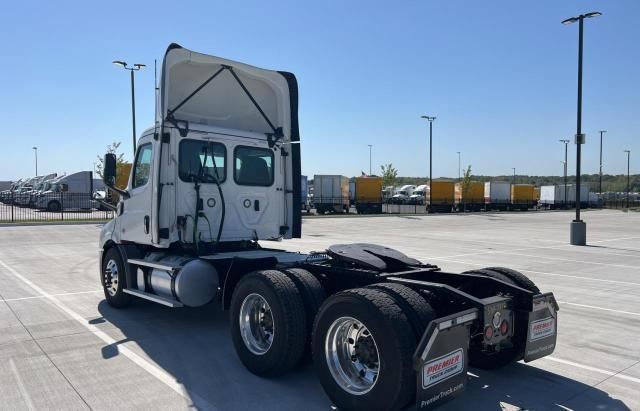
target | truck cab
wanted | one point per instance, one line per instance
(220, 163)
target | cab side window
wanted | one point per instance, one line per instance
(142, 167)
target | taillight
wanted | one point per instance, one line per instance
(488, 332)
(504, 327)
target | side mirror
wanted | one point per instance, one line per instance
(109, 172)
(109, 175)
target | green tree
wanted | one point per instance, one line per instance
(466, 182)
(120, 162)
(389, 175)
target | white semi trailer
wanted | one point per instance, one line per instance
(220, 172)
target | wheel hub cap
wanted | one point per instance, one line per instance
(111, 277)
(352, 355)
(257, 327)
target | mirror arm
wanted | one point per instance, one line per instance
(123, 193)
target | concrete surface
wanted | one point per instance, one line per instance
(62, 347)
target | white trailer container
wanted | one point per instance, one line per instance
(554, 196)
(497, 195)
(331, 193)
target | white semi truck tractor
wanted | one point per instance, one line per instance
(217, 175)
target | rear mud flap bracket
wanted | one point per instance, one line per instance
(441, 359)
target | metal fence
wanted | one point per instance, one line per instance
(43, 207)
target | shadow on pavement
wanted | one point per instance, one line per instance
(194, 346)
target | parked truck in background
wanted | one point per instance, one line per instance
(212, 182)
(331, 193)
(418, 195)
(352, 193)
(440, 196)
(522, 197)
(402, 195)
(470, 198)
(368, 195)
(72, 191)
(304, 194)
(553, 196)
(497, 195)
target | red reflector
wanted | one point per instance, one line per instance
(488, 332)
(504, 327)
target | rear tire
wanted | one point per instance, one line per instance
(268, 323)
(485, 360)
(362, 348)
(415, 307)
(114, 279)
(313, 295)
(54, 206)
(517, 278)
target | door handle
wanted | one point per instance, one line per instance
(146, 224)
(256, 205)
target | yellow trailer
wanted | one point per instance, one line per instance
(471, 198)
(368, 197)
(441, 196)
(522, 196)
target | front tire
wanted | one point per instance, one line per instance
(114, 279)
(268, 324)
(362, 349)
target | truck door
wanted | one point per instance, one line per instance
(136, 213)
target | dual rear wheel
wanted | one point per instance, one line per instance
(362, 340)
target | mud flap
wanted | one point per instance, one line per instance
(441, 359)
(543, 327)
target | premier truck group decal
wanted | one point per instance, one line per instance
(542, 328)
(443, 368)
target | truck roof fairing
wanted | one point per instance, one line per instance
(204, 89)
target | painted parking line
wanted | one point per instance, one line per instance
(34, 297)
(594, 369)
(593, 307)
(430, 259)
(152, 369)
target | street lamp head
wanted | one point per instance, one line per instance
(570, 20)
(139, 66)
(428, 118)
(120, 63)
(627, 151)
(593, 14)
(34, 147)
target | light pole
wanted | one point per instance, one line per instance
(370, 146)
(578, 232)
(628, 175)
(566, 142)
(458, 165)
(514, 175)
(430, 120)
(35, 150)
(601, 133)
(135, 67)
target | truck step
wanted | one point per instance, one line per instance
(155, 298)
(152, 264)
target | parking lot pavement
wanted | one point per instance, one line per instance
(62, 347)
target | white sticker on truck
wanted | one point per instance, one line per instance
(443, 368)
(542, 328)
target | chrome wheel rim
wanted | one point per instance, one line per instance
(257, 327)
(111, 277)
(352, 355)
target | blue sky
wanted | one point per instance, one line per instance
(499, 75)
